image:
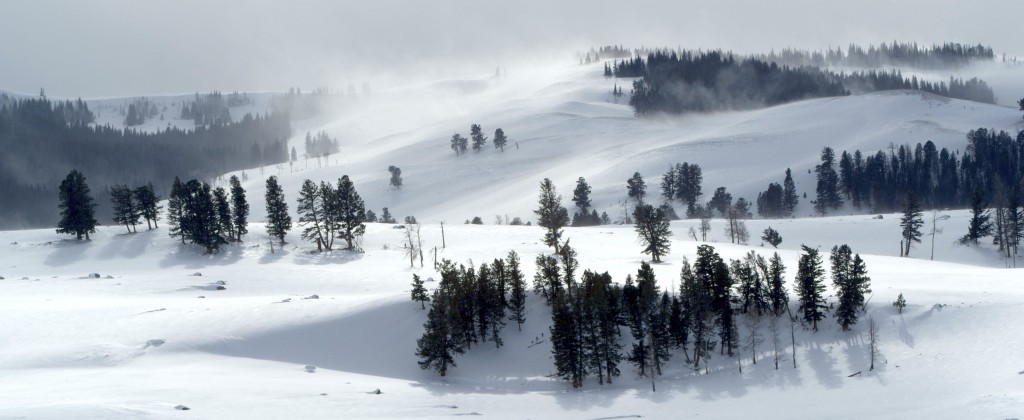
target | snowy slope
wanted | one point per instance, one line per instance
(141, 342)
(153, 335)
(563, 125)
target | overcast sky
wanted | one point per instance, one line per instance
(132, 47)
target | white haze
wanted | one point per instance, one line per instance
(129, 48)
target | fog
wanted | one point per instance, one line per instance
(129, 48)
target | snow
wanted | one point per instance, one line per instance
(153, 333)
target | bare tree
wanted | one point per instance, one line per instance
(936, 217)
(411, 245)
(872, 341)
(754, 328)
(773, 328)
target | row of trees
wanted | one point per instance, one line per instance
(42, 140)
(327, 212)
(587, 313)
(701, 81)
(207, 216)
(460, 144)
(468, 307)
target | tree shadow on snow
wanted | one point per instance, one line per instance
(194, 256)
(126, 245)
(67, 251)
(337, 256)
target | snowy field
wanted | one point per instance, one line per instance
(150, 334)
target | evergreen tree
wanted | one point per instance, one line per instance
(126, 210)
(310, 208)
(396, 176)
(385, 216)
(279, 222)
(477, 134)
(148, 201)
(778, 296)
(175, 206)
(772, 237)
(653, 229)
(351, 213)
(900, 303)
(226, 229)
(828, 197)
(669, 183)
(199, 221)
(570, 362)
(721, 201)
(600, 326)
(810, 287)
(419, 293)
(636, 188)
(517, 290)
(790, 197)
(911, 223)
(500, 140)
(77, 210)
(239, 209)
(581, 195)
(550, 214)
(459, 144)
(850, 280)
(439, 344)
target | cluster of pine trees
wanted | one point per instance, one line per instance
(320, 145)
(43, 139)
(702, 81)
(581, 197)
(207, 216)
(132, 205)
(683, 181)
(460, 144)
(778, 201)
(327, 212)
(468, 307)
(138, 111)
(588, 314)
(211, 108)
(902, 54)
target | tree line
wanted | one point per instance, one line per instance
(596, 323)
(702, 81)
(42, 139)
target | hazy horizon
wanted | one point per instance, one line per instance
(123, 48)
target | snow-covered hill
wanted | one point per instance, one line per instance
(149, 333)
(563, 125)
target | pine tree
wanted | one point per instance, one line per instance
(310, 207)
(147, 200)
(239, 208)
(385, 216)
(459, 144)
(565, 340)
(351, 213)
(550, 214)
(653, 229)
(772, 237)
(828, 197)
(636, 188)
(849, 278)
(199, 221)
(810, 287)
(500, 140)
(517, 290)
(226, 227)
(479, 139)
(126, 209)
(279, 222)
(790, 198)
(911, 223)
(175, 207)
(77, 210)
(601, 347)
(581, 195)
(778, 296)
(419, 293)
(438, 345)
(396, 176)
(900, 303)
(669, 183)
